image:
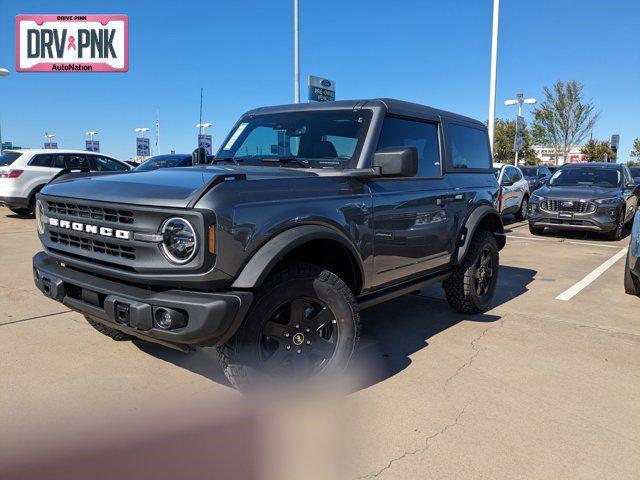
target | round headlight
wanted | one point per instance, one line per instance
(40, 217)
(179, 241)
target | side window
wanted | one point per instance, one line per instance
(397, 132)
(41, 161)
(506, 175)
(627, 175)
(515, 174)
(58, 161)
(469, 147)
(72, 160)
(104, 164)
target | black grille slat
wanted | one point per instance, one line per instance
(91, 245)
(576, 207)
(96, 213)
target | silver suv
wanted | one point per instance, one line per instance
(514, 190)
(23, 173)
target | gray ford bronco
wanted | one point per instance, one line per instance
(308, 214)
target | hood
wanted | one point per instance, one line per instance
(576, 193)
(169, 187)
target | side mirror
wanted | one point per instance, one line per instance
(396, 161)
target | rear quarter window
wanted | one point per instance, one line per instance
(468, 148)
(8, 158)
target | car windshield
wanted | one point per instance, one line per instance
(529, 171)
(635, 171)
(318, 139)
(587, 176)
(8, 158)
(164, 161)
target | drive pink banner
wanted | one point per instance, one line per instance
(72, 43)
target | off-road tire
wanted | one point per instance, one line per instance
(459, 287)
(536, 230)
(523, 213)
(239, 355)
(631, 282)
(116, 335)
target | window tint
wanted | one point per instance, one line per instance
(545, 171)
(104, 164)
(41, 161)
(515, 174)
(507, 175)
(397, 132)
(469, 147)
(57, 161)
(76, 161)
(8, 158)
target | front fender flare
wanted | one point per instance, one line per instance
(267, 256)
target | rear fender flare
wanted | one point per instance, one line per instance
(480, 214)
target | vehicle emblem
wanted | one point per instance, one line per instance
(93, 229)
(298, 339)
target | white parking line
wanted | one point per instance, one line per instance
(575, 289)
(565, 241)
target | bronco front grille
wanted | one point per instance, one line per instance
(90, 211)
(575, 206)
(93, 245)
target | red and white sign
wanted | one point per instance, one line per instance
(72, 43)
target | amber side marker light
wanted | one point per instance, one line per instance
(212, 239)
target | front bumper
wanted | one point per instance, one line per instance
(603, 219)
(211, 318)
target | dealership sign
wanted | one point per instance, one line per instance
(321, 89)
(93, 145)
(142, 147)
(204, 141)
(72, 43)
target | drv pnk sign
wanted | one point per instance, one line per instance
(72, 43)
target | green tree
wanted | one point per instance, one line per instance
(636, 148)
(503, 140)
(595, 151)
(564, 118)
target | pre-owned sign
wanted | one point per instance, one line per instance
(72, 43)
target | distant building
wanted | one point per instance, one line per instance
(552, 156)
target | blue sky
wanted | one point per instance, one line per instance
(241, 52)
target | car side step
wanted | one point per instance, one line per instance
(366, 301)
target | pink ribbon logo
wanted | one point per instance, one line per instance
(72, 43)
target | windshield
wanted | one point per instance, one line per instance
(318, 139)
(8, 158)
(529, 171)
(635, 171)
(160, 162)
(586, 176)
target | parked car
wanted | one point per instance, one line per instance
(536, 176)
(632, 265)
(595, 197)
(23, 173)
(635, 173)
(170, 161)
(514, 190)
(328, 208)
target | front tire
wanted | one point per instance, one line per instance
(303, 324)
(470, 287)
(536, 230)
(618, 232)
(523, 212)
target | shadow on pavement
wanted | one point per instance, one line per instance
(391, 332)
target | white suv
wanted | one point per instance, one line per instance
(23, 173)
(514, 190)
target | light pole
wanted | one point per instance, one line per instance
(494, 72)
(3, 73)
(49, 136)
(519, 101)
(296, 53)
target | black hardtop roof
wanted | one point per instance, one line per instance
(393, 106)
(593, 164)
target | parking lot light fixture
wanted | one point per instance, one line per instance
(142, 130)
(203, 126)
(91, 133)
(519, 100)
(4, 72)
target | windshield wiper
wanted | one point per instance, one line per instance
(299, 161)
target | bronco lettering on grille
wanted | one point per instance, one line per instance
(93, 229)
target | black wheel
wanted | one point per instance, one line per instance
(117, 335)
(630, 280)
(303, 324)
(618, 232)
(21, 211)
(523, 212)
(471, 286)
(535, 230)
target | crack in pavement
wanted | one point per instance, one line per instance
(421, 449)
(476, 352)
(35, 318)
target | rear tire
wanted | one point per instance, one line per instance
(21, 211)
(536, 230)
(116, 335)
(471, 286)
(304, 323)
(630, 280)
